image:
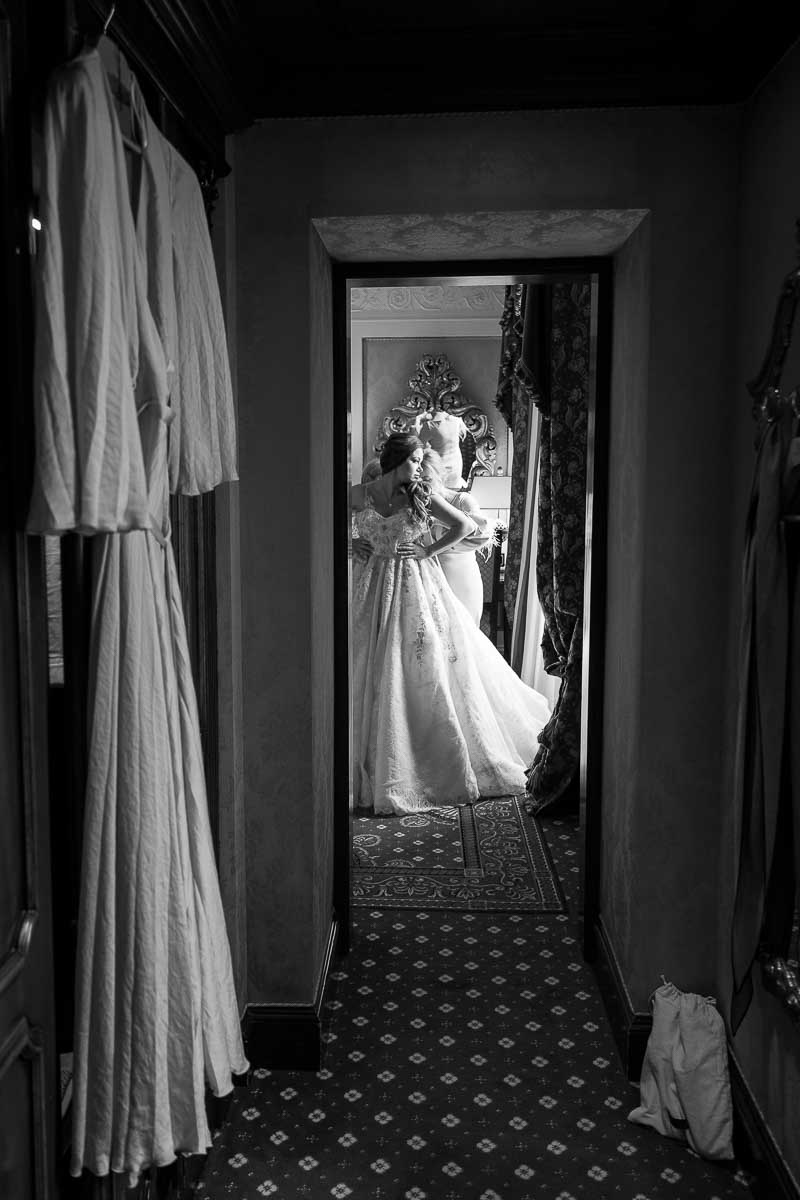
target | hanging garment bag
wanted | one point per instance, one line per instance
(685, 1086)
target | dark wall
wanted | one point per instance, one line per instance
(663, 793)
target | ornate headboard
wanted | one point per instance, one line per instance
(435, 387)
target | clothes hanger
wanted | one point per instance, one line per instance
(92, 39)
(97, 40)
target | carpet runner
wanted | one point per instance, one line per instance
(484, 857)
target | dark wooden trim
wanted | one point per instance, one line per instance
(754, 1144)
(594, 605)
(187, 53)
(341, 612)
(519, 271)
(27, 1019)
(289, 1036)
(580, 63)
(465, 271)
(630, 1028)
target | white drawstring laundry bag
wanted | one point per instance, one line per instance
(685, 1089)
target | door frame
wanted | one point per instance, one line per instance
(478, 271)
(27, 990)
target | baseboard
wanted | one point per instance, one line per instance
(756, 1148)
(289, 1036)
(631, 1029)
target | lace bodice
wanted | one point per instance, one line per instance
(385, 532)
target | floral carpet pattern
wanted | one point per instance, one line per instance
(485, 857)
(467, 1057)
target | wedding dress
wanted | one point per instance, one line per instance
(439, 717)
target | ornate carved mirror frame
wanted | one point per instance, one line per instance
(435, 387)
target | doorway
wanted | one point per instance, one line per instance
(383, 315)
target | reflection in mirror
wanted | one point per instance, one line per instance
(447, 479)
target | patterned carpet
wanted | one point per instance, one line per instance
(468, 1057)
(486, 857)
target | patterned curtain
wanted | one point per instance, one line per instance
(524, 365)
(560, 549)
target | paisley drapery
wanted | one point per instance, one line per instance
(556, 338)
(560, 551)
(524, 370)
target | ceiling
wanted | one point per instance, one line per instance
(365, 57)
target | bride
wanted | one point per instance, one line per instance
(439, 717)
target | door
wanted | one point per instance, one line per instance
(28, 1072)
(348, 417)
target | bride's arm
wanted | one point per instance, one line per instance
(458, 526)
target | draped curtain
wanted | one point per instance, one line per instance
(561, 529)
(524, 368)
(529, 623)
(767, 759)
(545, 337)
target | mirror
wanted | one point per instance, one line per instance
(430, 361)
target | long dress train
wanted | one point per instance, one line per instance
(439, 717)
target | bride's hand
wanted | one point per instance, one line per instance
(411, 550)
(362, 549)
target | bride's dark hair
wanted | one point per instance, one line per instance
(397, 448)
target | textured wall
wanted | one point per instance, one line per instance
(766, 1044)
(275, 495)
(624, 590)
(685, 509)
(682, 166)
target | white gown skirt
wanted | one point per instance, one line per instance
(439, 717)
(462, 572)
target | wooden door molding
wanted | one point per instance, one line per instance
(600, 269)
(28, 1066)
(14, 960)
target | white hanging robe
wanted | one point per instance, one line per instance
(97, 350)
(156, 1011)
(202, 446)
(183, 292)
